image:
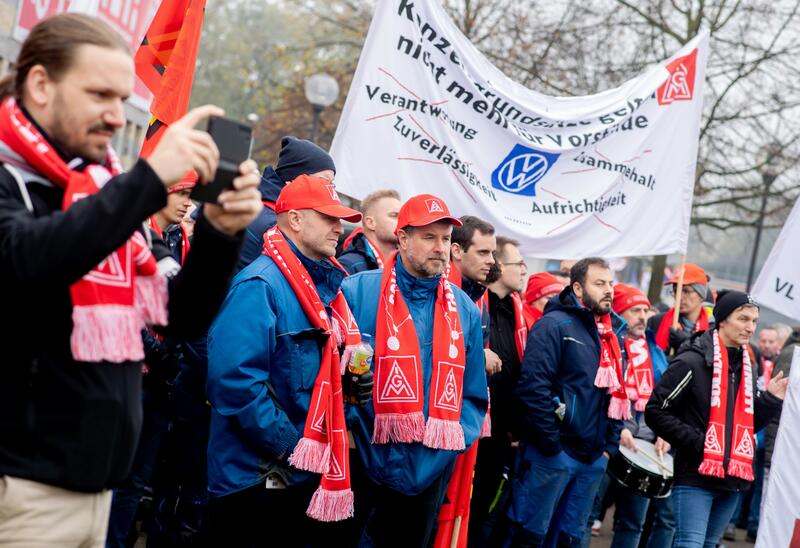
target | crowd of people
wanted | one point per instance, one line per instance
(185, 366)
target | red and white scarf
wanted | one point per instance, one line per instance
(609, 371)
(740, 462)
(453, 275)
(639, 379)
(662, 335)
(124, 292)
(767, 367)
(185, 244)
(372, 247)
(323, 448)
(398, 391)
(520, 324)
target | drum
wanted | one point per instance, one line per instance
(642, 471)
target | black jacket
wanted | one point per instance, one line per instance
(358, 257)
(679, 409)
(503, 342)
(64, 423)
(559, 366)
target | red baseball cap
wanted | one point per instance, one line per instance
(541, 284)
(422, 210)
(187, 183)
(692, 274)
(626, 296)
(307, 192)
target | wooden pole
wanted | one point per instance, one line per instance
(456, 531)
(678, 293)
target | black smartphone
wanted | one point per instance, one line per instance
(234, 140)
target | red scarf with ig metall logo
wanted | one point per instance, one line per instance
(609, 370)
(740, 463)
(639, 379)
(113, 302)
(398, 392)
(323, 448)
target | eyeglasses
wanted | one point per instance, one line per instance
(520, 264)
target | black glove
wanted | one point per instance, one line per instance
(358, 388)
(676, 338)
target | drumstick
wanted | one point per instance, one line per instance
(659, 464)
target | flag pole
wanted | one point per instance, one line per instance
(678, 293)
(456, 531)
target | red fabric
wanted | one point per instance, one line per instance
(740, 463)
(270, 205)
(309, 192)
(398, 391)
(184, 237)
(541, 285)
(373, 248)
(627, 296)
(639, 379)
(662, 335)
(532, 315)
(459, 493)
(767, 367)
(323, 448)
(165, 62)
(520, 325)
(124, 292)
(422, 210)
(609, 372)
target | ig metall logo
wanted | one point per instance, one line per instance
(519, 172)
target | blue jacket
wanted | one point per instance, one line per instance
(411, 467)
(560, 364)
(270, 187)
(358, 257)
(262, 342)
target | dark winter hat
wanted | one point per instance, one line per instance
(729, 300)
(300, 157)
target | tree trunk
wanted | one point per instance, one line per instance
(656, 278)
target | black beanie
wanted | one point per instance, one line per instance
(301, 157)
(729, 300)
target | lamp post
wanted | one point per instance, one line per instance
(768, 176)
(321, 91)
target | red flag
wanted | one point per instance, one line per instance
(454, 516)
(165, 63)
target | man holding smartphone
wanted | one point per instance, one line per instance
(80, 277)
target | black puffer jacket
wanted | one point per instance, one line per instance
(679, 409)
(784, 363)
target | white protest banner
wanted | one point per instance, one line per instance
(778, 284)
(779, 525)
(610, 174)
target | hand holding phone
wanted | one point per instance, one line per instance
(234, 140)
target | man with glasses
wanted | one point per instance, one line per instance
(507, 335)
(692, 317)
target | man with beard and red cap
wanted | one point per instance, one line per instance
(571, 399)
(645, 363)
(692, 315)
(708, 406)
(540, 289)
(430, 394)
(275, 383)
(368, 246)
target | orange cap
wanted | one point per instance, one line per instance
(692, 274)
(307, 192)
(422, 210)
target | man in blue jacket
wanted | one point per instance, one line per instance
(264, 356)
(369, 245)
(430, 393)
(297, 157)
(567, 436)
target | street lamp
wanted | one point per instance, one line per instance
(768, 175)
(321, 91)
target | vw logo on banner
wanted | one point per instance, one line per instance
(519, 172)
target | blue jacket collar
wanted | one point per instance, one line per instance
(270, 185)
(413, 288)
(327, 277)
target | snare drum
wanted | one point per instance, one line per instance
(643, 472)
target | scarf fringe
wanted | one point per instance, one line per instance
(311, 456)
(712, 468)
(106, 333)
(327, 505)
(640, 405)
(151, 297)
(399, 428)
(486, 428)
(607, 378)
(444, 434)
(619, 408)
(740, 470)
